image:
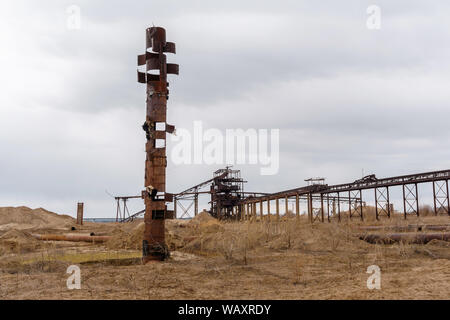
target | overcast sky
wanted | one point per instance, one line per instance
(347, 100)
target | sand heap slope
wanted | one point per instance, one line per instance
(24, 218)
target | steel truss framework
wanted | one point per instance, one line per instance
(122, 212)
(382, 203)
(410, 199)
(356, 205)
(326, 202)
(325, 194)
(441, 197)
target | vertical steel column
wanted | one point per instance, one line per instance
(277, 203)
(195, 204)
(155, 126)
(404, 201)
(376, 203)
(350, 205)
(361, 204)
(328, 207)
(175, 207)
(339, 206)
(261, 209)
(310, 208)
(388, 202)
(417, 199)
(118, 210)
(448, 198)
(286, 206)
(268, 208)
(321, 208)
(334, 207)
(434, 198)
(297, 205)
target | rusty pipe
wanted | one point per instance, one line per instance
(420, 238)
(71, 237)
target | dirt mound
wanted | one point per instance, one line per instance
(126, 239)
(438, 243)
(17, 241)
(17, 235)
(21, 218)
(132, 239)
(205, 223)
(202, 217)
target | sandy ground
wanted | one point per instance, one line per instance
(286, 259)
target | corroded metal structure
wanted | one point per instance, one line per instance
(323, 202)
(226, 189)
(226, 192)
(156, 127)
(351, 194)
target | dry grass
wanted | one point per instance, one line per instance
(285, 259)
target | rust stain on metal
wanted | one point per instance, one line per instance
(156, 127)
(80, 209)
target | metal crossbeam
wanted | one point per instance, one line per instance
(382, 204)
(410, 200)
(441, 197)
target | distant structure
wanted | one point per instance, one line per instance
(323, 202)
(227, 190)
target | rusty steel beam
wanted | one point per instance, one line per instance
(365, 184)
(155, 126)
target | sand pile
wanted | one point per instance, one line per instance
(202, 217)
(132, 239)
(205, 223)
(126, 239)
(22, 218)
(17, 241)
(17, 235)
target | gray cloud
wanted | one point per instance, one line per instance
(345, 98)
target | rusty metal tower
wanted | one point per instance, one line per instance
(227, 190)
(155, 127)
